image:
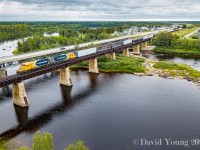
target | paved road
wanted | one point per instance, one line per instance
(190, 34)
(56, 50)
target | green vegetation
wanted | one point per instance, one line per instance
(183, 32)
(2, 147)
(17, 30)
(177, 69)
(67, 37)
(172, 44)
(45, 142)
(70, 33)
(120, 65)
(78, 146)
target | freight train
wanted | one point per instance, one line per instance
(71, 55)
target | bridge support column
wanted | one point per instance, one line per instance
(144, 46)
(125, 52)
(112, 56)
(93, 67)
(136, 49)
(3, 73)
(19, 95)
(65, 78)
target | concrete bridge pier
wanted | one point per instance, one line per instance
(144, 46)
(65, 78)
(136, 49)
(126, 52)
(19, 95)
(3, 73)
(112, 55)
(93, 67)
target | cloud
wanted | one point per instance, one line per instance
(79, 10)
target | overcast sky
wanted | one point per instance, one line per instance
(101, 10)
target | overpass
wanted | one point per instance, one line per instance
(19, 93)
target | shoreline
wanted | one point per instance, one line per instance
(150, 71)
(177, 52)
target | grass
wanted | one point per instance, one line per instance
(176, 69)
(3, 147)
(178, 52)
(184, 32)
(120, 65)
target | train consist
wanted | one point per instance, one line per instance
(71, 55)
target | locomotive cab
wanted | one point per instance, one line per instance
(26, 66)
(71, 55)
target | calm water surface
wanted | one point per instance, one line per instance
(193, 62)
(107, 111)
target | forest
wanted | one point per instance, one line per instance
(65, 38)
(32, 33)
(69, 33)
(16, 30)
(173, 44)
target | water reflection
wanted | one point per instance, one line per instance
(31, 125)
(5, 92)
(21, 115)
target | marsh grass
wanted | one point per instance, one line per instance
(120, 65)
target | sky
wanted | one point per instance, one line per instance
(99, 10)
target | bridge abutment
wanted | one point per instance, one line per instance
(3, 73)
(93, 66)
(19, 95)
(136, 49)
(112, 55)
(65, 78)
(126, 52)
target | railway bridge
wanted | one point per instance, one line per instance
(19, 92)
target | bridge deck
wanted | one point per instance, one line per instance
(59, 65)
(10, 59)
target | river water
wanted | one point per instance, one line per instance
(107, 111)
(8, 47)
(193, 62)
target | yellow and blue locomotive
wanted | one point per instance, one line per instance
(42, 62)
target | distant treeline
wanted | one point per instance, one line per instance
(17, 30)
(67, 37)
(167, 41)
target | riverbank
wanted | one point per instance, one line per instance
(178, 52)
(141, 66)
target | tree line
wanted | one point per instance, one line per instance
(66, 37)
(18, 30)
(45, 142)
(169, 41)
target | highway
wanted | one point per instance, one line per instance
(67, 48)
(190, 34)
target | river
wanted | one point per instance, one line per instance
(107, 111)
(193, 62)
(8, 47)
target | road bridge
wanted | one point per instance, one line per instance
(19, 93)
(10, 60)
